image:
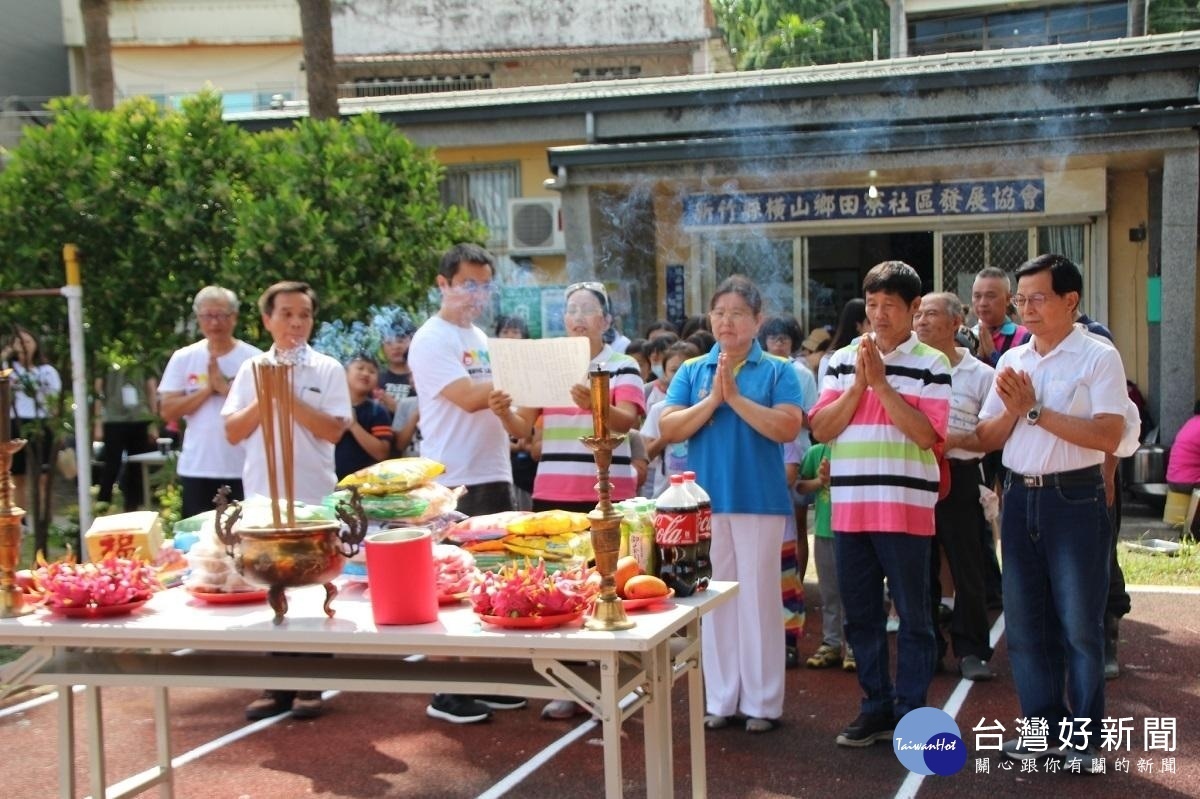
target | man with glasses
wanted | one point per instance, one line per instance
(1057, 406)
(450, 362)
(193, 387)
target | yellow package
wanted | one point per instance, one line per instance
(397, 474)
(551, 522)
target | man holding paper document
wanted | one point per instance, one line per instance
(450, 361)
(566, 476)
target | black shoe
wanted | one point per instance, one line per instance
(307, 705)
(502, 702)
(866, 730)
(791, 658)
(457, 709)
(271, 703)
(973, 668)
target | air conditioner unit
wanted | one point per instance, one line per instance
(535, 226)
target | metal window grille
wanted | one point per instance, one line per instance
(484, 190)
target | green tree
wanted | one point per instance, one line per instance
(163, 203)
(1171, 16)
(766, 34)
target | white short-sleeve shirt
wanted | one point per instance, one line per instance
(1080, 377)
(970, 381)
(206, 452)
(473, 446)
(321, 382)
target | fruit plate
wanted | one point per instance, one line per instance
(648, 601)
(531, 622)
(97, 611)
(228, 597)
(450, 599)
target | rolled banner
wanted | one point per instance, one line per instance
(402, 577)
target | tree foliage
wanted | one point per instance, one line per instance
(163, 203)
(767, 34)
(1172, 16)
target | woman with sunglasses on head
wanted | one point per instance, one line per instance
(736, 406)
(566, 475)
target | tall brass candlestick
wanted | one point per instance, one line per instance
(12, 601)
(598, 378)
(609, 614)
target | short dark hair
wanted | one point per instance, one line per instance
(266, 303)
(742, 286)
(636, 346)
(658, 345)
(685, 348)
(514, 322)
(853, 314)
(703, 340)
(693, 323)
(1065, 276)
(366, 358)
(661, 324)
(893, 277)
(782, 325)
(467, 253)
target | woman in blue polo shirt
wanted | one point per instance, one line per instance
(735, 406)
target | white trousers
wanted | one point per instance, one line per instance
(742, 645)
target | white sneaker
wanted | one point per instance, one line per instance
(560, 709)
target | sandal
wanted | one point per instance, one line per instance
(715, 722)
(825, 657)
(761, 725)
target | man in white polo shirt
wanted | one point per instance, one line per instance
(322, 409)
(1057, 407)
(322, 413)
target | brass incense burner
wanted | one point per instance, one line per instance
(608, 613)
(12, 600)
(305, 553)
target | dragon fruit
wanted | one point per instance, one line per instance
(112, 581)
(527, 590)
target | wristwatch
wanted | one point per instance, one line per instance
(1033, 414)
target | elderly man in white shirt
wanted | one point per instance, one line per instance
(958, 517)
(1057, 407)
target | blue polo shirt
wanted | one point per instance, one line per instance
(741, 469)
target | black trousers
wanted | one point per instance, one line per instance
(124, 437)
(959, 518)
(198, 493)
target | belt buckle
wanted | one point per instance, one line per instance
(1032, 480)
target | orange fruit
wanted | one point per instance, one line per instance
(627, 567)
(644, 586)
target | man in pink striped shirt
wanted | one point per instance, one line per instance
(883, 408)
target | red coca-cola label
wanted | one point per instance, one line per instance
(704, 522)
(676, 528)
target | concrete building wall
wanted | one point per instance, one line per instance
(161, 22)
(186, 70)
(434, 26)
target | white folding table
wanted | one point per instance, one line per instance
(175, 641)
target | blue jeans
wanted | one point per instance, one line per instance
(863, 560)
(1056, 544)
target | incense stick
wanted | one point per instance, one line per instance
(287, 406)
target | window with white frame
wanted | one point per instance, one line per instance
(484, 191)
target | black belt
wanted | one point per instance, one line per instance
(1089, 475)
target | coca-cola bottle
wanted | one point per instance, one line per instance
(704, 528)
(676, 532)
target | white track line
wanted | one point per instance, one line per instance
(539, 759)
(30, 704)
(912, 783)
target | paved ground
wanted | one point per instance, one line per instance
(384, 746)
